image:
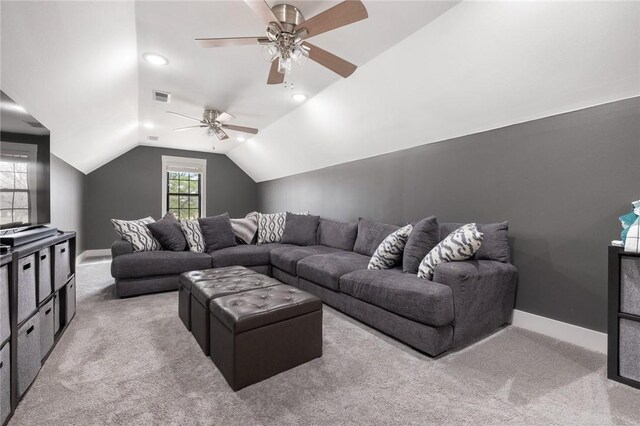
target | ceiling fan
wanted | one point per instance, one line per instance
(287, 31)
(214, 121)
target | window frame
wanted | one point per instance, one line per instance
(188, 165)
(29, 152)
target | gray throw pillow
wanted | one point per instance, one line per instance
(423, 238)
(495, 244)
(137, 233)
(337, 234)
(370, 235)
(168, 232)
(389, 252)
(217, 232)
(300, 229)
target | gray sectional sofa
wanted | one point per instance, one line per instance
(464, 301)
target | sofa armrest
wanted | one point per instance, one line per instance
(120, 247)
(483, 296)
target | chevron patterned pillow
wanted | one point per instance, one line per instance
(137, 233)
(389, 252)
(193, 234)
(461, 244)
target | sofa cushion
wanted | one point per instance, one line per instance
(403, 294)
(155, 263)
(424, 237)
(300, 229)
(243, 255)
(389, 252)
(287, 258)
(495, 244)
(326, 269)
(370, 235)
(168, 232)
(337, 234)
(217, 232)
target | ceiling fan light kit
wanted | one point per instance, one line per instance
(286, 32)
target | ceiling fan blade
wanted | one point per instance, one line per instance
(184, 116)
(238, 41)
(274, 76)
(262, 9)
(331, 61)
(342, 14)
(179, 129)
(240, 128)
(225, 116)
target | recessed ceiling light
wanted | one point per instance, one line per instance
(241, 139)
(155, 59)
(148, 125)
(299, 97)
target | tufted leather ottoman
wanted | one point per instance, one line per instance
(260, 333)
(211, 283)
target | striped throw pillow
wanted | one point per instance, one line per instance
(461, 244)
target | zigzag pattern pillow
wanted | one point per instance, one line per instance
(193, 234)
(137, 233)
(270, 227)
(461, 244)
(389, 252)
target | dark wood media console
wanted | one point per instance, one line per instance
(37, 303)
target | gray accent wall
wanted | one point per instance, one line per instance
(67, 199)
(130, 187)
(561, 181)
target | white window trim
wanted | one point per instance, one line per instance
(198, 165)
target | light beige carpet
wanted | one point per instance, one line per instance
(131, 361)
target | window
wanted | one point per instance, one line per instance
(183, 194)
(183, 187)
(17, 183)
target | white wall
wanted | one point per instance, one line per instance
(479, 66)
(73, 66)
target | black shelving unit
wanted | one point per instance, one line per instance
(61, 287)
(624, 317)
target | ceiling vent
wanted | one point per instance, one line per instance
(153, 138)
(164, 97)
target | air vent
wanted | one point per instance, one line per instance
(164, 97)
(35, 124)
(153, 138)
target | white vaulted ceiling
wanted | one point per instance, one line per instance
(78, 68)
(428, 71)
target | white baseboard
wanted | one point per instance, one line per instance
(590, 339)
(92, 253)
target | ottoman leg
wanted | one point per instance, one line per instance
(255, 355)
(184, 306)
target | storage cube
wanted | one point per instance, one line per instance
(630, 285)
(26, 287)
(5, 382)
(56, 313)
(28, 353)
(47, 331)
(630, 349)
(44, 274)
(62, 265)
(5, 325)
(71, 300)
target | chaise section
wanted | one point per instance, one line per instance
(286, 258)
(326, 269)
(483, 296)
(403, 294)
